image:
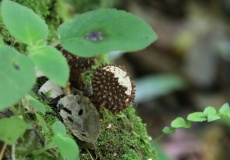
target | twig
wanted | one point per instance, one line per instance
(2, 151)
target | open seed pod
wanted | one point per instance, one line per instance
(112, 88)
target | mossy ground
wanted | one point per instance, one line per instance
(123, 136)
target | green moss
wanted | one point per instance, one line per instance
(123, 136)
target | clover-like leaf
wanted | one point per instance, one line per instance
(209, 110)
(105, 30)
(52, 64)
(59, 128)
(213, 117)
(23, 23)
(11, 129)
(17, 76)
(224, 109)
(168, 130)
(179, 122)
(197, 117)
(67, 146)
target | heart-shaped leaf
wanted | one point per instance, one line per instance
(52, 63)
(67, 146)
(11, 129)
(197, 117)
(179, 122)
(17, 76)
(225, 109)
(23, 23)
(209, 110)
(168, 130)
(213, 117)
(105, 30)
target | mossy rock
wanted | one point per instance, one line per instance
(123, 136)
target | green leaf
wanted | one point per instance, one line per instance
(38, 105)
(209, 110)
(17, 76)
(52, 64)
(42, 122)
(224, 109)
(168, 130)
(212, 117)
(67, 146)
(104, 30)
(11, 129)
(179, 122)
(197, 117)
(59, 128)
(23, 23)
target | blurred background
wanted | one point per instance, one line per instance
(185, 70)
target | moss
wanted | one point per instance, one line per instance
(123, 136)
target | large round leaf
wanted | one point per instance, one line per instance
(17, 76)
(52, 64)
(105, 30)
(23, 23)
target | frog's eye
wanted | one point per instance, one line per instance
(112, 87)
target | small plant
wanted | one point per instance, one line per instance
(87, 35)
(209, 114)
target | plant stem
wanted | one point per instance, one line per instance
(2, 151)
(13, 152)
(39, 151)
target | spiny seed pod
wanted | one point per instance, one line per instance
(76, 62)
(112, 88)
(77, 66)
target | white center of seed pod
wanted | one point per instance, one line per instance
(123, 78)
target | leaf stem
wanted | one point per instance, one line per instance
(49, 146)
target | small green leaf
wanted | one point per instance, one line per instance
(52, 64)
(59, 128)
(23, 23)
(67, 146)
(179, 122)
(38, 105)
(168, 130)
(197, 117)
(42, 122)
(225, 109)
(212, 117)
(11, 129)
(209, 110)
(104, 30)
(17, 76)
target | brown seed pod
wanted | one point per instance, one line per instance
(77, 66)
(77, 62)
(112, 88)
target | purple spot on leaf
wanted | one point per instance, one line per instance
(16, 66)
(94, 36)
